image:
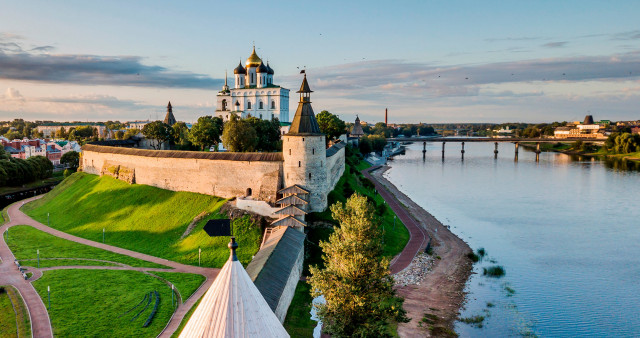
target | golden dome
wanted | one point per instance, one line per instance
(253, 60)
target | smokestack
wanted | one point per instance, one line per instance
(386, 115)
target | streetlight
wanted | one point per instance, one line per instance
(199, 252)
(394, 221)
(48, 219)
(102, 235)
(172, 295)
(38, 252)
(49, 297)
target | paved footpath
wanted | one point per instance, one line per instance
(40, 322)
(418, 238)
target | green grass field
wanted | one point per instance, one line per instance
(24, 240)
(94, 302)
(142, 218)
(298, 322)
(14, 317)
(8, 326)
(187, 283)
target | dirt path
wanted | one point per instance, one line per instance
(441, 292)
(9, 273)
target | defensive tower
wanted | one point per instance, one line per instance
(304, 152)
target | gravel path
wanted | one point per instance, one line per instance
(10, 275)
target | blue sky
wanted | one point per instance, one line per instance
(427, 61)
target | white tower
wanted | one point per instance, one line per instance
(304, 150)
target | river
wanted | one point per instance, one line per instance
(566, 231)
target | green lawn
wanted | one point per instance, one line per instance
(24, 241)
(187, 283)
(7, 316)
(14, 318)
(94, 302)
(298, 322)
(143, 219)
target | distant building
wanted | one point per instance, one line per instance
(138, 124)
(26, 148)
(588, 130)
(254, 93)
(49, 130)
(169, 118)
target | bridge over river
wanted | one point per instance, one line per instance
(515, 141)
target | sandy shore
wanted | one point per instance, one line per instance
(441, 293)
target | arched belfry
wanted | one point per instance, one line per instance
(304, 152)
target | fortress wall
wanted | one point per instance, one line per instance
(223, 178)
(335, 168)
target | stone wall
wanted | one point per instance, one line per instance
(335, 168)
(220, 177)
(290, 288)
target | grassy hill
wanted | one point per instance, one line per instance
(142, 218)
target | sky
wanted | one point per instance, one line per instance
(426, 61)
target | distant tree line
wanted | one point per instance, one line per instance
(16, 172)
(622, 143)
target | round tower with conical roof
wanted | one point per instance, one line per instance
(304, 151)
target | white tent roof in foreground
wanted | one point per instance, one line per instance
(233, 307)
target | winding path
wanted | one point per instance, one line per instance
(418, 237)
(40, 321)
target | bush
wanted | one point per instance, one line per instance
(67, 173)
(473, 257)
(494, 271)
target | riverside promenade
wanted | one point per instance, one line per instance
(441, 292)
(417, 236)
(40, 321)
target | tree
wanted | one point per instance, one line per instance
(268, 133)
(71, 159)
(130, 133)
(206, 132)
(239, 135)
(181, 136)
(356, 283)
(331, 125)
(159, 131)
(119, 135)
(61, 133)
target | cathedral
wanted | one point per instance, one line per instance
(253, 93)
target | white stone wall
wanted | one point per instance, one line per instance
(221, 178)
(305, 164)
(335, 169)
(290, 288)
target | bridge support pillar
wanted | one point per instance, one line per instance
(517, 146)
(462, 151)
(424, 150)
(495, 152)
(443, 150)
(538, 152)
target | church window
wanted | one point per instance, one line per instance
(260, 104)
(249, 105)
(273, 104)
(299, 164)
(261, 115)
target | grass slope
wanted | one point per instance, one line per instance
(24, 241)
(187, 283)
(8, 326)
(90, 303)
(142, 218)
(298, 322)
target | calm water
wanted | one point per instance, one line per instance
(567, 233)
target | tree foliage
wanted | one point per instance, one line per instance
(71, 159)
(268, 133)
(16, 172)
(158, 130)
(331, 125)
(369, 143)
(206, 132)
(239, 135)
(356, 283)
(623, 143)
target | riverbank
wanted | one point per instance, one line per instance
(565, 148)
(434, 303)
